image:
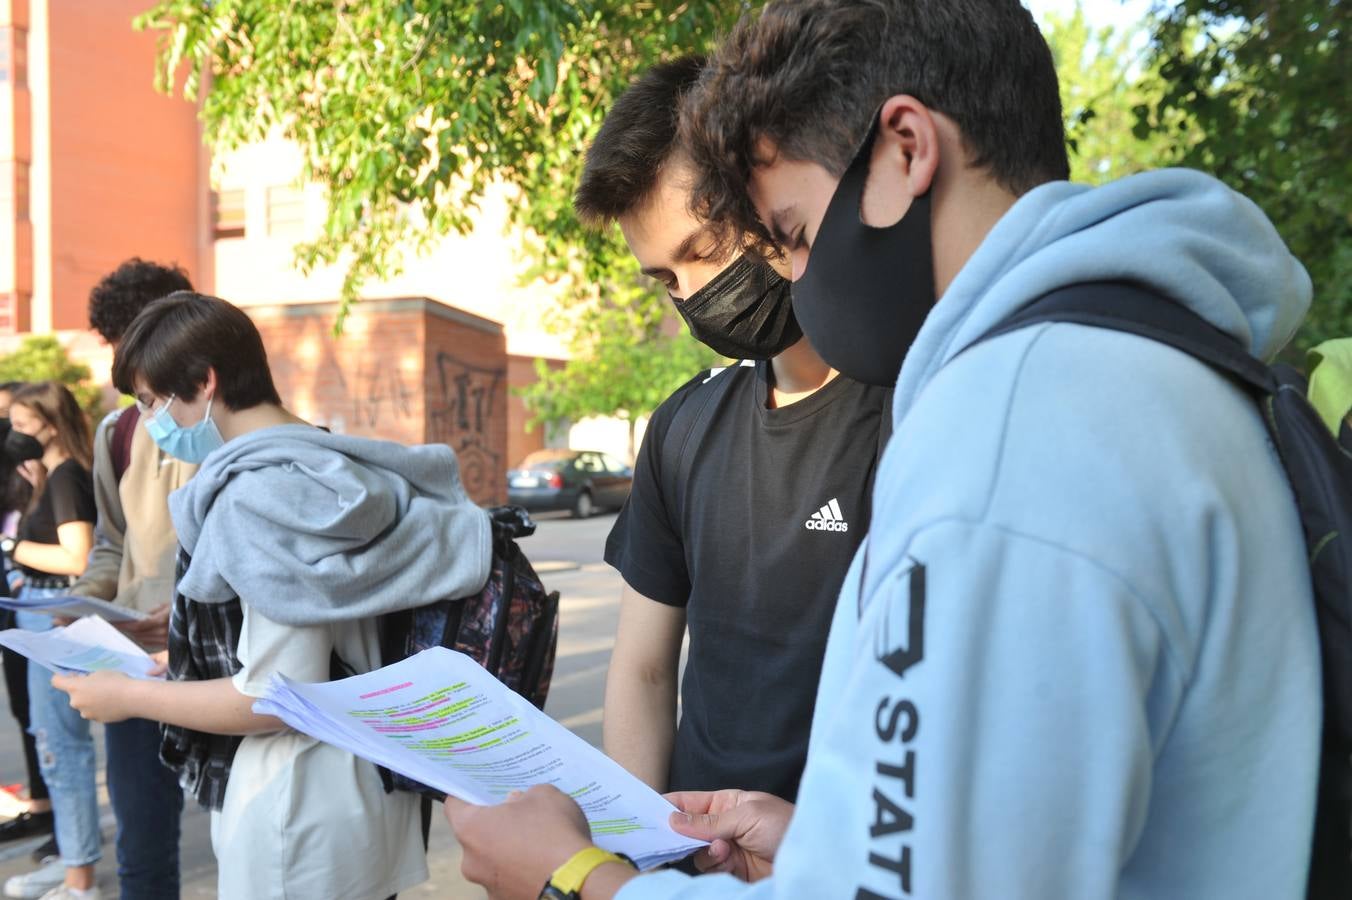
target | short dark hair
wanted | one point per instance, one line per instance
(638, 137)
(124, 292)
(809, 75)
(175, 339)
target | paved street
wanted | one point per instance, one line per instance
(568, 553)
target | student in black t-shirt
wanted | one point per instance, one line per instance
(50, 440)
(751, 489)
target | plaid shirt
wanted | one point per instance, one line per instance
(203, 639)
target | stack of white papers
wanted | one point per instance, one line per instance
(441, 719)
(74, 608)
(88, 645)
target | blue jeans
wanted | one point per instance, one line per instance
(65, 752)
(148, 802)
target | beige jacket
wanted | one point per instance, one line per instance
(132, 563)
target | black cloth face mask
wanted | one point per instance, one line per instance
(866, 290)
(20, 447)
(744, 312)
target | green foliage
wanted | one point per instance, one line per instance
(42, 358)
(1266, 84)
(1102, 82)
(625, 363)
(405, 112)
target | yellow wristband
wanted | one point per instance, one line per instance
(569, 877)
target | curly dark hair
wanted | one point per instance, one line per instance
(121, 295)
(809, 75)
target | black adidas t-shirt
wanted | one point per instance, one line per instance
(755, 545)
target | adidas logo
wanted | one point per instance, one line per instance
(828, 518)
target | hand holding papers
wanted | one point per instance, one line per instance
(89, 645)
(438, 717)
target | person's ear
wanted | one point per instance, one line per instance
(905, 159)
(209, 383)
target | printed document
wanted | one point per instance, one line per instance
(438, 717)
(74, 608)
(87, 645)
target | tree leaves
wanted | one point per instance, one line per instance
(1266, 84)
(42, 358)
(406, 112)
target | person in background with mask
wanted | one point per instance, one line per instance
(49, 438)
(1076, 657)
(133, 565)
(31, 815)
(751, 487)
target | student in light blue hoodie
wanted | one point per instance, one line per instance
(1076, 656)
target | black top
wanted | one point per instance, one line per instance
(755, 545)
(68, 497)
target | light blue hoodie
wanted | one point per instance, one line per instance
(1076, 657)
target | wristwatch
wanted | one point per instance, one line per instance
(566, 882)
(7, 545)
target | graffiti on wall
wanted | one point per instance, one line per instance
(459, 411)
(379, 394)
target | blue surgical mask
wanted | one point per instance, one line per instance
(192, 444)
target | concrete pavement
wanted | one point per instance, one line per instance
(569, 553)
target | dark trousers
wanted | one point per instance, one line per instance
(16, 684)
(147, 802)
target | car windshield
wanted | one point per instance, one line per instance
(546, 459)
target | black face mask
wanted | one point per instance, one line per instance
(867, 290)
(4, 429)
(20, 447)
(744, 313)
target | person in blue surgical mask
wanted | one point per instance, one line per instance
(292, 542)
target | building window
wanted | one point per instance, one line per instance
(286, 212)
(228, 213)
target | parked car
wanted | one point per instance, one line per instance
(582, 481)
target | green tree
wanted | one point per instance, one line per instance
(1102, 82)
(1267, 85)
(405, 112)
(42, 358)
(625, 363)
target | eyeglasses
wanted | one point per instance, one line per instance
(148, 409)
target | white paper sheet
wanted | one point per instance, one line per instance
(74, 608)
(440, 718)
(87, 645)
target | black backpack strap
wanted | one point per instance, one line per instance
(688, 427)
(1131, 308)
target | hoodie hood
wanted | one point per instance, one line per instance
(310, 527)
(1182, 233)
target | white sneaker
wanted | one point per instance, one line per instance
(11, 804)
(38, 883)
(67, 893)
